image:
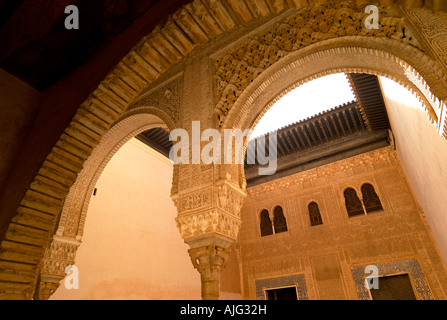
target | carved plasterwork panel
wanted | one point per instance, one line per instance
(195, 200)
(60, 254)
(166, 97)
(208, 222)
(210, 210)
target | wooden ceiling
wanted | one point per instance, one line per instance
(340, 133)
(158, 139)
(38, 49)
(355, 119)
(369, 95)
(318, 130)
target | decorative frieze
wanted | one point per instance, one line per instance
(385, 157)
(195, 200)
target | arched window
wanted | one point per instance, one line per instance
(314, 214)
(266, 224)
(371, 199)
(279, 221)
(353, 203)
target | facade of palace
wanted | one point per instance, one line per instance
(344, 204)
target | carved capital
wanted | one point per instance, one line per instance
(214, 210)
(209, 261)
(46, 287)
(59, 255)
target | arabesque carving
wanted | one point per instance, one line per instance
(60, 255)
(237, 69)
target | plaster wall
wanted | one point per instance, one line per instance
(423, 154)
(132, 248)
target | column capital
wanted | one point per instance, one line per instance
(212, 210)
(60, 254)
(210, 261)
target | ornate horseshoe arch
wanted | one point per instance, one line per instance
(70, 229)
(350, 55)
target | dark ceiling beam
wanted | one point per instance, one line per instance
(367, 89)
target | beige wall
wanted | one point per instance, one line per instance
(424, 157)
(132, 248)
(325, 255)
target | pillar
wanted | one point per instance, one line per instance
(209, 221)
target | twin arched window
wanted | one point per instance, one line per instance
(371, 201)
(354, 206)
(279, 222)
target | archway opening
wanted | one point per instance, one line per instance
(366, 141)
(129, 243)
(306, 101)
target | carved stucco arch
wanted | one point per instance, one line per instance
(70, 228)
(402, 63)
(131, 124)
